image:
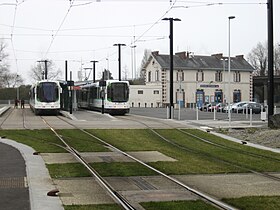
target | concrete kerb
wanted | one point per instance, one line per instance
(4, 109)
(247, 143)
(68, 115)
(38, 178)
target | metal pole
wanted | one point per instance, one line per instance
(119, 50)
(93, 70)
(229, 92)
(71, 95)
(46, 69)
(66, 70)
(171, 63)
(270, 82)
(171, 67)
(119, 46)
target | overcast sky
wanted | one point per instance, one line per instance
(83, 30)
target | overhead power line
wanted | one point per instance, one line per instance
(63, 20)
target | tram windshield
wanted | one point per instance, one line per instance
(47, 92)
(118, 92)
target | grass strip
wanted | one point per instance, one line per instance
(187, 162)
(178, 205)
(219, 140)
(255, 202)
(93, 207)
(214, 152)
(40, 140)
(67, 170)
(81, 141)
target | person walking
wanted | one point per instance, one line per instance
(22, 103)
(16, 104)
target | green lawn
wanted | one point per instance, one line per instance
(255, 202)
(40, 140)
(178, 205)
(94, 207)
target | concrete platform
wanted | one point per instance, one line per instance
(81, 191)
(157, 188)
(233, 185)
(145, 156)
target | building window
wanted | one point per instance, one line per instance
(218, 76)
(156, 91)
(237, 76)
(149, 76)
(199, 76)
(157, 75)
(180, 76)
(140, 91)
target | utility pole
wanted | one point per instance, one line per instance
(270, 77)
(46, 69)
(66, 70)
(171, 105)
(93, 69)
(119, 48)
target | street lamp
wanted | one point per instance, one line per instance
(171, 63)
(119, 47)
(229, 92)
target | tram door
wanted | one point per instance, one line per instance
(199, 98)
(218, 96)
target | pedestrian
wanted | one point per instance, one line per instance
(22, 103)
(16, 104)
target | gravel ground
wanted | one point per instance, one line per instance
(263, 136)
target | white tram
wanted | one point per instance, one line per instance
(114, 95)
(45, 97)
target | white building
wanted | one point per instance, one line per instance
(197, 79)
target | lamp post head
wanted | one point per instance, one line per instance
(119, 45)
(231, 17)
(173, 19)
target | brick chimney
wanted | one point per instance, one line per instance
(155, 53)
(218, 55)
(240, 56)
(182, 55)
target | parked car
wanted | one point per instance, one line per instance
(256, 107)
(205, 106)
(220, 107)
(216, 106)
(227, 107)
(237, 107)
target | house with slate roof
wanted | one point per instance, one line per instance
(197, 79)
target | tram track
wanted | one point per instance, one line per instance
(115, 195)
(7, 114)
(207, 155)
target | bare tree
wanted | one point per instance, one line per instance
(37, 72)
(258, 59)
(7, 79)
(142, 73)
(125, 73)
(277, 59)
(12, 80)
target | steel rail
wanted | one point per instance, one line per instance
(114, 194)
(215, 202)
(6, 117)
(206, 154)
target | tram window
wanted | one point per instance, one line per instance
(47, 92)
(118, 92)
